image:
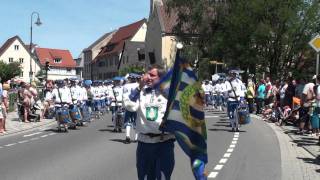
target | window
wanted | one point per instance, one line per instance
(21, 74)
(21, 60)
(10, 60)
(16, 47)
(57, 60)
(152, 58)
(68, 70)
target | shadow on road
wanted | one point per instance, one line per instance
(310, 160)
(109, 130)
(227, 130)
(305, 142)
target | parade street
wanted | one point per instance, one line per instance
(95, 152)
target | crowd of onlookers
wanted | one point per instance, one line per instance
(295, 101)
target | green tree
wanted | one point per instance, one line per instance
(267, 36)
(131, 69)
(9, 71)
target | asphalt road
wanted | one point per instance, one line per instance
(96, 153)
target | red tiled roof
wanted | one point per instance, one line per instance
(121, 35)
(45, 54)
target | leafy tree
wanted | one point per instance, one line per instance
(131, 69)
(9, 71)
(264, 36)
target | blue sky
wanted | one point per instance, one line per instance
(68, 24)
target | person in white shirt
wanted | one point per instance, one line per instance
(219, 89)
(155, 151)
(96, 96)
(207, 90)
(236, 92)
(116, 103)
(130, 116)
(62, 98)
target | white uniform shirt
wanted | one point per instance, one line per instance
(127, 89)
(64, 94)
(117, 95)
(76, 93)
(206, 88)
(238, 88)
(150, 108)
(95, 92)
(219, 88)
(84, 94)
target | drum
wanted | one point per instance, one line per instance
(75, 112)
(85, 112)
(63, 115)
(243, 114)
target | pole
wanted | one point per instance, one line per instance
(30, 49)
(216, 68)
(317, 67)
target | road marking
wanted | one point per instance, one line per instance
(226, 155)
(44, 136)
(1, 147)
(8, 145)
(51, 134)
(33, 139)
(232, 146)
(213, 175)
(21, 142)
(218, 167)
(236, 135)
(32, 134)
(211, 116)
(223, 160)
(234, 142)
(235, 139)
(230, 150)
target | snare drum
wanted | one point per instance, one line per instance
(243, 114)
(63, 115)
(74, 112)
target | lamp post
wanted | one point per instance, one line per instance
(38, 23)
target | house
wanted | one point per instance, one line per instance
(90, 53)
(61, 62)
(14, 50)
(79, 66)
(160, 38)
(122, 51)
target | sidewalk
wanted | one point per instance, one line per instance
(13, 125)
(309, 143)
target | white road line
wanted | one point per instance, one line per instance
(236, 135)
(44, 136)
(213, 175)
(218, 167)
(226, 155)
(232, 146)
(21, 142)
(33, 139)
(234, 142)
(51, 134)
(235, 139)
(12, 144)
(211, 116)
(230, 150)
(223, 160)
(1, 147)
(28, 135)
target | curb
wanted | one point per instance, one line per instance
(314, 155)
(27, 129)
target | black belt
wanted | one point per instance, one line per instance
(151, 135)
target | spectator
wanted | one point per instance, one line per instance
(299, 88)
(260, 96)
(289, 93)
(268, 91)
(4, 108)
(250, 95)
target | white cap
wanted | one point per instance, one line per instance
(314, 77)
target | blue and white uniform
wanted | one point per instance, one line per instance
(155, 155)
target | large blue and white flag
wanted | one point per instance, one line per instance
(185, 116)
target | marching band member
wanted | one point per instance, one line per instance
(130, 116)
(116, 97)
(236, 93)
(206, 88)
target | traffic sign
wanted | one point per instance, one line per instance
(315, 43)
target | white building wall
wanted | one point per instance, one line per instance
(61, 73)
(140, 36)
(22, 53)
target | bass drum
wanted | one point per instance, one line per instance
(243, 114)
(63, 115)
(75, 113)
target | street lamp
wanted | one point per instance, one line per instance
(38, 23)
